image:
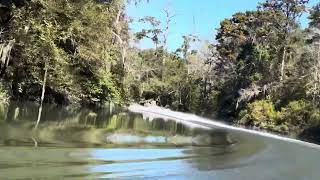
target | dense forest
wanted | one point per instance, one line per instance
(262, 71)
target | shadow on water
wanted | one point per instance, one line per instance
(115, 143)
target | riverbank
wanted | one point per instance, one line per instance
(310, 134)
(13, 109)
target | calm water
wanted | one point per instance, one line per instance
(113, 143)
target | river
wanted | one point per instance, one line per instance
(143, 143)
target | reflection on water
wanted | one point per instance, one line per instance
(114, 143)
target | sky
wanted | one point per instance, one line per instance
(200, 17)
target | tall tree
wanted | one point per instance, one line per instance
(291, 10)
(158, 33)
(81, 52)
(313, 48)
(314, 16)
(166, 31)
(249, 41)
(153, 33)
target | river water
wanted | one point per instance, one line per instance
(143, 143)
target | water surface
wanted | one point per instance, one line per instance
(115, 143)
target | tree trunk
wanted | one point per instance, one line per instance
(316, 77)
(123, 56)
(283, 63)
(5, 51)
(9, 117)
(169, 18)
(123, 48)
(117, 33)
(163, 64)
(42, 95)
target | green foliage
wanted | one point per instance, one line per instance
(315, 16)
(294, 117)
(185, 47)
(74, 40)
(260, 113)
(264, 68)
(251, 42)
(153, 33)
(301, 114)
(172, 84)
(4, 93)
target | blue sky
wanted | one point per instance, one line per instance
(207, 14)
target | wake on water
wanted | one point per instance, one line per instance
(193, 121)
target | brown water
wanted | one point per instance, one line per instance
(112, 143)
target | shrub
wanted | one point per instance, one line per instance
(301, 114)
(260, 113)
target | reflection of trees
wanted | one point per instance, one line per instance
(135, 122)
(3, 112)
(227, 156)
(27, 111)
(10, 114)
(85, 125)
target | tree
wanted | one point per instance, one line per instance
(166, 31)
(153, 33)
(291, 10)
(313, 46)
(81, 53)
(314, 16)
(313, 57)
(203, 71)
(247, 43)
(186, 45)
(120, 26)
